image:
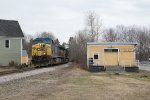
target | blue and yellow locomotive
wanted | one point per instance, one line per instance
(46, 52)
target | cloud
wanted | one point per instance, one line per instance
(65, 17)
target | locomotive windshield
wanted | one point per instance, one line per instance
(43, 40)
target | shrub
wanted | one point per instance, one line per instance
(12, 64)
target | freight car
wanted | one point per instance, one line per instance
(47, 52)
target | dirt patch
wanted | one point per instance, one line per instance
(76, 84)
(10, 70)
(7, 70)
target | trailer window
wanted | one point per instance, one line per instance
(90, 60)
(96, 56)
(111, 50)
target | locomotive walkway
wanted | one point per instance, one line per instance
(16, 76)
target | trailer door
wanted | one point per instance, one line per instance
(111, 57)
(96, 59)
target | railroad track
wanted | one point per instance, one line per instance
(16, 76)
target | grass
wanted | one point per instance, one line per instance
(141, 75)
(106, 86)
(73, 83)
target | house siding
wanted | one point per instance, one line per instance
(10, 54)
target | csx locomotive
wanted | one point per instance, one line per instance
(45, 52)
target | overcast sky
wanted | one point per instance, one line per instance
(65, 17)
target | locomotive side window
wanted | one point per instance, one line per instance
(7, 43)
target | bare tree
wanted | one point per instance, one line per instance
(77, 47)
(110, 35)
(57, 41)
(144, 44)
(72, 48)
(45, 35)
(93, 25)
(27, 43)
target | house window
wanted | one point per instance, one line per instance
(96, 56)
(7, 43)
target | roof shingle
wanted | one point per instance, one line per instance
(10, 28)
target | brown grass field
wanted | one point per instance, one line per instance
(76, 84)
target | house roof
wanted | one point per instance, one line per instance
(10, 28)
(112, 43)
(24, 53)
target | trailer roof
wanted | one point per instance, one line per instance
(112, 43)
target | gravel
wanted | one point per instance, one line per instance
(16, 76)
(145, 62)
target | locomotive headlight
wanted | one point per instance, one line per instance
(38, 49)
(44, 53)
